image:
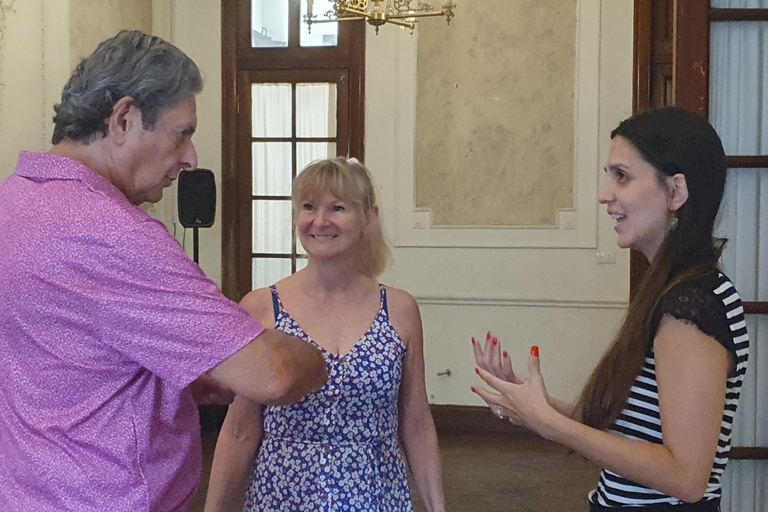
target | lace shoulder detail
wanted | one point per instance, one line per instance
(695, 302)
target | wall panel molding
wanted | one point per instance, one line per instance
(505, 301)
(576, 227)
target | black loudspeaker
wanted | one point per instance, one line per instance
(197, 198)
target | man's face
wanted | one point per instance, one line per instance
(156, 157)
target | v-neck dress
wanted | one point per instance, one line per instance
(337, 450)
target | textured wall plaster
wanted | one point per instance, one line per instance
(495, 114)
(93, 21)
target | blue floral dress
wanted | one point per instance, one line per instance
(337, 450)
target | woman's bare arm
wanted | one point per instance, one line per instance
(691, 371)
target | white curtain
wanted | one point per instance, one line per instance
(271, 117)
(739, 112)
(740, 4)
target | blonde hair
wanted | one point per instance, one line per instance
(350, 181)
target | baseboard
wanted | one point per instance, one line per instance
(473, 420)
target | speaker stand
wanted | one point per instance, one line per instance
(195, 246)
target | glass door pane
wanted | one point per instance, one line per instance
(269, 23)
(308, 152)
(739, 86)
(320, 34)
(272, 227)
(293, 123)
(744, 223)
(271, 170)
(271, 110)
(316, 110)
(267, 271)
(740, 4)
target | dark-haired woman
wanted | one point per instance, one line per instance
(657, 412)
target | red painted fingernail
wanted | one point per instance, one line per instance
(535, 351)
(505, 354)
(495, 341)
(473, 341)
(488, 336)
(473, 390)
(477, 371)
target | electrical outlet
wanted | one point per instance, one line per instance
(606, 258)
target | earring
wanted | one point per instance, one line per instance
(672, 223)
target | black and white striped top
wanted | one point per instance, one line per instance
(713, 305)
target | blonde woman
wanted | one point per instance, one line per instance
(345, 447)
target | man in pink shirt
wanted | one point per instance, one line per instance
(104, 321)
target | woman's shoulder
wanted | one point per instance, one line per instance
(404, 313)
(401, 300)
(708, 287)
(707, 301)
(258, 303)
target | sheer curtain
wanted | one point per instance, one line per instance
(271, 118)
(740, 4)
(739, 112)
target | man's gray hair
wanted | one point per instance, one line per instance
(152, 71)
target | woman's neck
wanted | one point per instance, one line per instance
(332, 276)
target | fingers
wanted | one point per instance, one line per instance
(478, 351)
(484, 354)
(493, 399)
(488, 351)
(509, 372)
(488, 397)
(495, 354)
(493, 381)
(492, 358)
(534, 363)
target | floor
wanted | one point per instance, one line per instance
(495, 474)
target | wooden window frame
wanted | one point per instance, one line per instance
(240, 64)
(672, 46)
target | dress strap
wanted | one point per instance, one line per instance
(276, 305)
(384, 299)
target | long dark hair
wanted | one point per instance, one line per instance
(674, 141)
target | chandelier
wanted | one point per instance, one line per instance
(396, 12)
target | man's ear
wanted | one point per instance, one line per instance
(123, 119)
(677, 187)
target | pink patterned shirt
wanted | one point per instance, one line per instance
(103, 322)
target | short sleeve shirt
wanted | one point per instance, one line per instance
(695, 303)
(104, 321)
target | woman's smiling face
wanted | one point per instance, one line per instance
(329, 226)
(637, 199)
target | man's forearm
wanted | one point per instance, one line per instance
(274, 369)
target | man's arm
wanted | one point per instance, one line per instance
(273, 369)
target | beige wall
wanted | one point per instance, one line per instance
(41, 42)
(34, 64)
(528, 285)
(96, 20)
(195, 26)
(536, 289)
(495, 114)
(533, 290)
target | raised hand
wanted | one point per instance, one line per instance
(524, 402)
(494, 360)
